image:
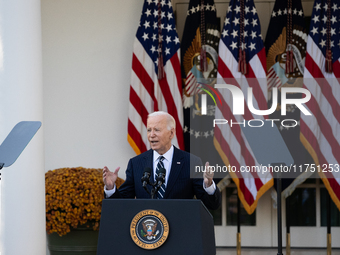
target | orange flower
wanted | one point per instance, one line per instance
(73, 197)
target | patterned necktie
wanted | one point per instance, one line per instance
(160, 165)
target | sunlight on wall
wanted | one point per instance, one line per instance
(1, 58)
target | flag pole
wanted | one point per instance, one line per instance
(288, 225)
(329, 235)
(279, 216)
(238, 234)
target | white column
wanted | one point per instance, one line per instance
(21, 98)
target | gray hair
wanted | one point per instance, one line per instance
(170, 120)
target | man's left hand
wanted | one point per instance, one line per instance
(208, 175)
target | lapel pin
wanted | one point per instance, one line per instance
(178, 163)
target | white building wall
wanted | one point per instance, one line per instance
(23, 183)
(87, 54)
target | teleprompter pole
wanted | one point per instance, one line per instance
(270, 148)
(1, 166)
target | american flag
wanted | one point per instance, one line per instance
(199, 47)
(156, 45)
(230, 141)
(287, 33)
(320, 132)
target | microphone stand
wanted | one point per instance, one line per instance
(154, 189)
(145, 187)
(155, 186)
(146, 179)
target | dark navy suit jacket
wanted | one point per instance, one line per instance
(179, 185)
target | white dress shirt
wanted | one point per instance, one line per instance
(167, 163)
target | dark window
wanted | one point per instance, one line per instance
(246, 219)
(335, 214)
(217, 215)
(303, 207)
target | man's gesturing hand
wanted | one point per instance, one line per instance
(208, 175)
(109, 177)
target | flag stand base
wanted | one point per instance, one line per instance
(288, 244)
(329, 244)
(238, 243)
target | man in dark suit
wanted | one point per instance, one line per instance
(177, 163)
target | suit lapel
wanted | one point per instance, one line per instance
(176, 166)
(148, 158)
(148, 162)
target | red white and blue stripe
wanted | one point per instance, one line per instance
(156, 34)
(320, 133)
(230, 141)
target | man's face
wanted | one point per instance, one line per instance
(158, 134)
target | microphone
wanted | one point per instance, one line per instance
(159, 181)
(146, 176)
(161, 177)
